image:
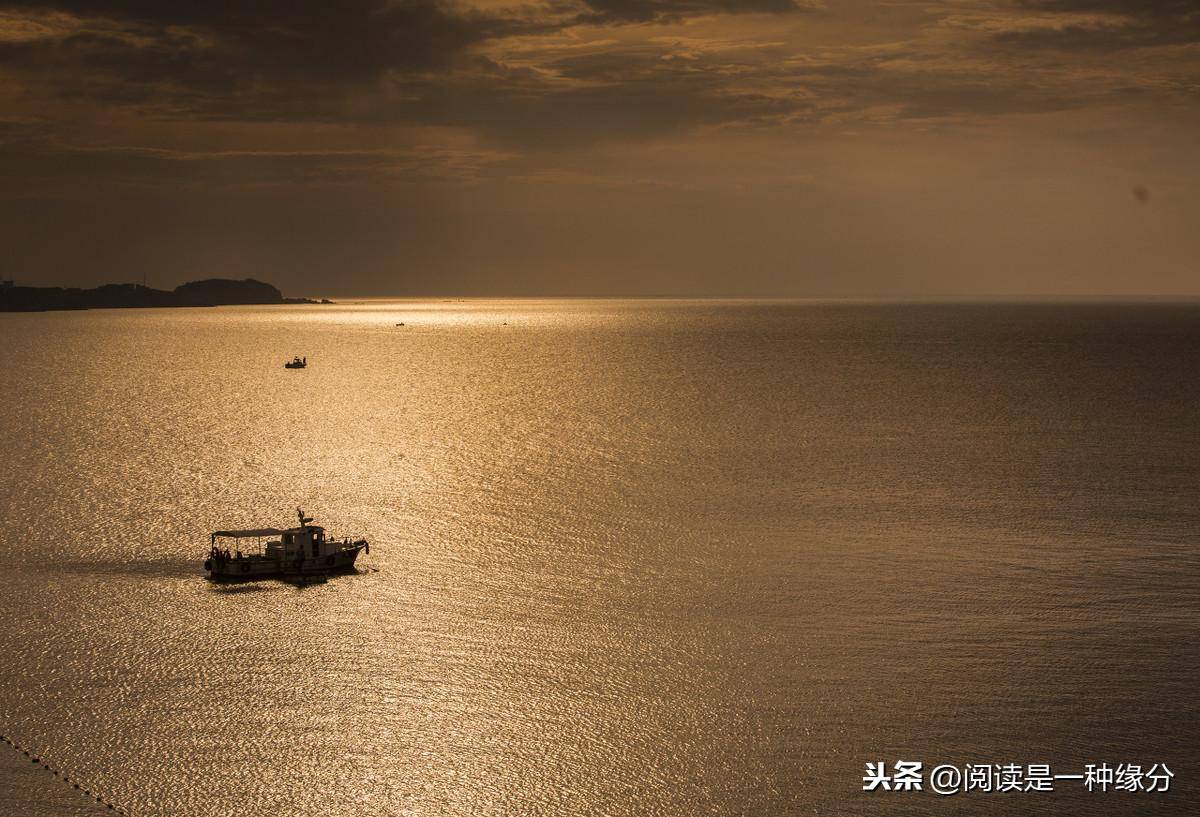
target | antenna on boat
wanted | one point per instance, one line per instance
(304, 520)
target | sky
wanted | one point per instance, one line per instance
(791, 148)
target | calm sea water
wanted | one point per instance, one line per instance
(629, 558)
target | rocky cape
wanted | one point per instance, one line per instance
(210, 292)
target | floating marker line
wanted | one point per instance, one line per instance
(39, 761)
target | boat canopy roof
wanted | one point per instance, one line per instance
(246, 534)
(256, 532)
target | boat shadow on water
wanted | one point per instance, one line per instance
(148, 570)
(227, 589)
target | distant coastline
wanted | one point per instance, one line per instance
(209, 292)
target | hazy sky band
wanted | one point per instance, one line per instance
(695, 147)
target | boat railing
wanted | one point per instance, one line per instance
(255, 547)
(232, 548)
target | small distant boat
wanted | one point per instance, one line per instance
(297, 363)
(303, 553)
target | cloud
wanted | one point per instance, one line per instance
(221, 59)
(609, 11)
(277, 40)
(360, 60)
(562, 74)
(1104, 25)
(49, 164)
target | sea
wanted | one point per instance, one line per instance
(629, 558)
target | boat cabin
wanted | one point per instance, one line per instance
(307, 542)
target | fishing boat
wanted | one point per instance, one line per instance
(305, 553)
(296, 363)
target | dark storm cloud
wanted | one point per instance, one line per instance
(253, 60)
(1108, 25)
(518, 77)
(345, 40)
(214, 43)
(298, 61)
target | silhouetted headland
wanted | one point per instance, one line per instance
(209, 292)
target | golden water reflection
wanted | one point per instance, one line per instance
(642, 558)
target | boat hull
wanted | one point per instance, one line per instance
(255, 567)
